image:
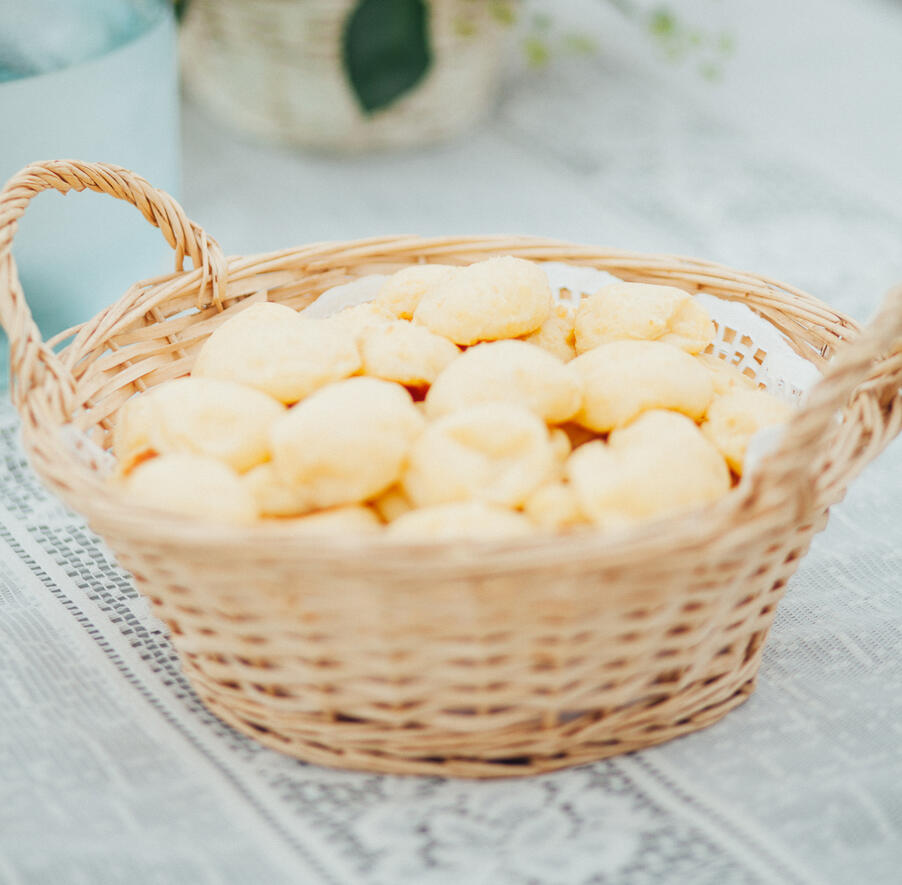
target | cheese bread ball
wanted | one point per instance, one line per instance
(346, 443)
(401, 293)
(131, 432)
(691, 328)
(724, 374)
(272, 496)
(495, 452)
(511, 372)
(474, 520)
(274, 349)
(392, 504)
(357, 320)
(275, 498)
(402, 352)
(560, 443)
(642, 312)
(625, 378)
(498, 298)
(554, 507)
(192, 485)
(352, 519)
(556, 334)
(219, 419)
(735, 417)
(659, 465)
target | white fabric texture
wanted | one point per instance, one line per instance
(113, 772)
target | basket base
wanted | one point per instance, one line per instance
(568, 746)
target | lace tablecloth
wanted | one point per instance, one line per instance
(111, 770)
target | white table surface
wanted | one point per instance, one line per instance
(791, 166)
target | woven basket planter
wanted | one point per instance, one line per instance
(273, 68)
(477, 659)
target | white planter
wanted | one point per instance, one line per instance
(273, 68)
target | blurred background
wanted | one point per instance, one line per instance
(765, 135)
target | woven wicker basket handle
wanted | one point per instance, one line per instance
(27, 350)
(872, 362)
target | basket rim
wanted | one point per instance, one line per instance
(111, 511)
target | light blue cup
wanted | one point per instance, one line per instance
(77, 254)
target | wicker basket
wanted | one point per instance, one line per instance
(273, 68)
(480, 659)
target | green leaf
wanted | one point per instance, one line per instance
(537, 52)
(662, 23)
(464, 27)
(503, 11)
(710, 71)
(385, 50)
(580, 44)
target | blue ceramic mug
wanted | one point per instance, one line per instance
(115, 100)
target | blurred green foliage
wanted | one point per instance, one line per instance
(387, 50)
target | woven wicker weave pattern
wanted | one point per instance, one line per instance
(490, 659)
